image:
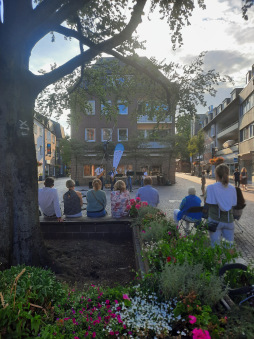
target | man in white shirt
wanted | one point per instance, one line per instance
(99, 171)
(145, 174)
(48, 200)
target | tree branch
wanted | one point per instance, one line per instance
(145, 66)
(52, 15)
(87, 56)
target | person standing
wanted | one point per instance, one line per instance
(148, 193)
(244, 178)
(129, 180)
(99, 173)
(72, 201)
(113, 174)
(236, 176)
(203, 183)
(221, 197)
(48, 200)
(145, 174)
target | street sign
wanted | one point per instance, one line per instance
(235, 159)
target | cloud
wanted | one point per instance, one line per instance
(227, 62)
(242, 35)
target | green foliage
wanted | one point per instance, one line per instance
(195, 249)
(196, 144)
(240, 323)
(27, 295)
(155, 230)
(184, 279)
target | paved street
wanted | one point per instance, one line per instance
(170, 198)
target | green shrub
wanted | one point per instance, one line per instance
(185, 278)
(155, 231)
(27, 295)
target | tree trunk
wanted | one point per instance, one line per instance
(21, 240)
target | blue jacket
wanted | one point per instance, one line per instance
(187, 202)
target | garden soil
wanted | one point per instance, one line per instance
(98, 262)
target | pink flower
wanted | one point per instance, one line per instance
(125, 296)
(132, 201)
(111, 332)
(168, 259)
(192, 319)
(107, 302)
(138, 199)
(143, 231)
(116, 301)
(128, 207)
(94, 335)
(198, 333)
(144, 203)
(138, 206)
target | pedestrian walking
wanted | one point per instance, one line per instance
(236, 176)
(221, 197)
(244, 178)
(203, 183)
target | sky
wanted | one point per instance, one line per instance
(220, 30)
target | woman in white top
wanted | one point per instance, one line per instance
(221, 197)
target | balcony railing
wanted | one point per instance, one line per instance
(228, 130)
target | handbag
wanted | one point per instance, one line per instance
(212, 226)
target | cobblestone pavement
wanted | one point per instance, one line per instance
(170, 198)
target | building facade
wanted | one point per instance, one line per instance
(246, 126)
(221, 130)
(98, 133)
(47, 146)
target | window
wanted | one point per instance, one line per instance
(53, 139)
(89, 170)
(41, 131)
(49, 136)
(122, 108)
(106, 134)
(104, 108)
(49, 149)
(35, 129)
(247, 104)
(251, 130)
(41, 150)
(122, 134)
(90, 134)
(91, 110)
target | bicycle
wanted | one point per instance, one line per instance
(247, 290)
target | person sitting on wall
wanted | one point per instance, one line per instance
(148, 193)
(120, 198)
(96, 201)
(191, 200)
(48, 200)
(72, 201)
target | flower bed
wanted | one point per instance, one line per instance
(178, 297)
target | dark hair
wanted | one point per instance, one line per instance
(222, 172)
(240, 199)
(49, 181)
(148, 181)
